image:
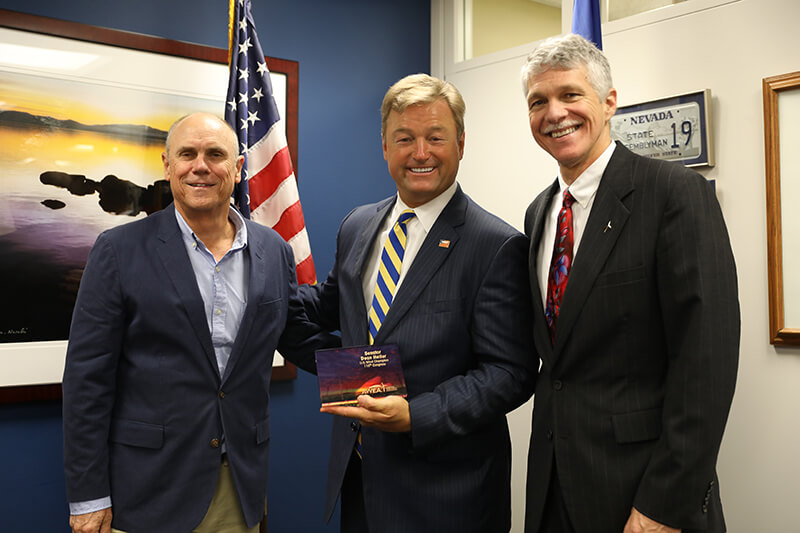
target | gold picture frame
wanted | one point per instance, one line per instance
(781, 135)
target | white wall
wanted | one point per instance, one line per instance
(728, 49)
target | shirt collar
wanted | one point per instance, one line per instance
(239, 239)
(585, 186)
(428, 212)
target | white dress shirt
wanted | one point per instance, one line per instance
(583, 189)
(417, 227)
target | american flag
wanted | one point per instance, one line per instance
(268, 192)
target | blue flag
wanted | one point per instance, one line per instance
(586, 20)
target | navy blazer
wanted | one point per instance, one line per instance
(634, 393)
(462, 320)
(144, 404)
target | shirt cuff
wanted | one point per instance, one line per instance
(89, 506)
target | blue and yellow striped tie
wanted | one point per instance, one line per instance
(388, 272)
(385, 286)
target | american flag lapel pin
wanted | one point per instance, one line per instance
(444, 243)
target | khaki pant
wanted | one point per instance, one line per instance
(224, 515)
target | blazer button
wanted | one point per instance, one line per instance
(221, 394)
(549, 435)
(215, 443)
(354, 426)
(558, 385)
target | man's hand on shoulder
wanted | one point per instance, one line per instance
(95, 522)
(387, 414)
(639, 523)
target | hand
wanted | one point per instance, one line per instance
(639, 523)
(95, 522)
(390, 413)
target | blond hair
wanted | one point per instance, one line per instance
(422, 89)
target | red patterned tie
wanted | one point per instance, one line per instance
(560, 264)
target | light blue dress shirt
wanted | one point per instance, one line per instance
(223, 285)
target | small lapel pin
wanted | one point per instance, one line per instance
(608, 227)
(444, 243)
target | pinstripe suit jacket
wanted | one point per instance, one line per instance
(462, 324)
(634, 393)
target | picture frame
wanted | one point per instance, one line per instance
(781, 136)
(675, 128)
(31, 370)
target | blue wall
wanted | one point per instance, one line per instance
(350, 52)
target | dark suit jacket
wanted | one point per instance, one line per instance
(634, 393)
(462, 324)
(143, 398)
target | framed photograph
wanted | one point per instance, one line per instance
(781, 138)
(677, 128)
(83, 118)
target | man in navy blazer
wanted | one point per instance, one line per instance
(639, 368)
(439, 460)
(166, 385)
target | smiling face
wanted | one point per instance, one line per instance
(568, 119)
(422, 150)
(202, 166)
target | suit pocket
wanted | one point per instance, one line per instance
(637, 426)
(135, 433)
(620, 277)
(262, 431)
(445, 306)
(273, 301)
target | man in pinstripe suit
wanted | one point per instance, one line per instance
(639, 369)
(441, 460)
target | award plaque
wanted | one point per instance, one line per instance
(347, 373)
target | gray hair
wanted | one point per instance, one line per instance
(422, 89)
(569, 52)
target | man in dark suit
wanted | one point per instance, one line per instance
(636, 319)
(166, 385)
(440, 460)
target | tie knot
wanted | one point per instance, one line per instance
(405, 216)
(568, 199)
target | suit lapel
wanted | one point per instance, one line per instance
(539, 211)
(538, 219)
(597, 242)
(366, 240)
(255, 289)
(429, 259)
(172, 252)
